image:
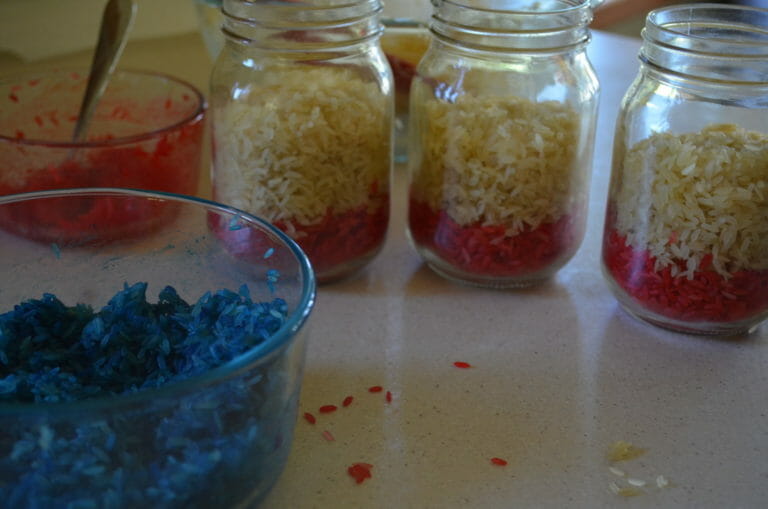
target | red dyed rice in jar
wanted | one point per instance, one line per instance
(685, 244)
(503, 111)
(302, 106)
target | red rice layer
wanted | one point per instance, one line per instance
(487, 250)
(343, 238)
(708, 296)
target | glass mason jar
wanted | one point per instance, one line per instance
(302, 108)
(685, 244)
(503, 111)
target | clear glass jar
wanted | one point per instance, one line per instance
(302, 107)
(503, 111)
(685, 244)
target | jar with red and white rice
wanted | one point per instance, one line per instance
(685, 244)
(302, 107)
(502, 123)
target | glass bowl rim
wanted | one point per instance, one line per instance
(196, 116)
(250, 359)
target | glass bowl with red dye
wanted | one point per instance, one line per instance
(146, 133)
(114, 393)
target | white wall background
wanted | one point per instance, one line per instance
(36, 29)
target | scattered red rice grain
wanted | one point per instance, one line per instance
(462, 365)
(375, 388)
(121, 113)
(309, 418)
(498, 461)
(13, 97)
(672, 238)
(327, 409)
(328, 436)
(360, 471)
(347, 401)
(389, 397)
(53, 117)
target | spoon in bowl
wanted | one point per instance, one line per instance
(116, 21)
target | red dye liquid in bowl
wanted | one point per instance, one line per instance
(86, 219)
(147, 133)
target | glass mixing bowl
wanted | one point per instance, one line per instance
(123, 417)
(146, 133)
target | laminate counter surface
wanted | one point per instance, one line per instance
(559, 373)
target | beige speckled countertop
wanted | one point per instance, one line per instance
(559, 373)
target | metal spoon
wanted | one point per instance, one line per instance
(116, 21)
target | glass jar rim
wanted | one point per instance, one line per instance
(710, 28)
(536, 9)
(313, 25)
(717, 43)
(522, 25)
(286, 13)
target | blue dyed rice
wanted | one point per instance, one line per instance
(191, 452)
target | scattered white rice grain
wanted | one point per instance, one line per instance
(46, 437)
(614, 488)
(638, 483)
(616, 471)
(662, 481)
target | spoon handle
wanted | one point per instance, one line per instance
(115, 22)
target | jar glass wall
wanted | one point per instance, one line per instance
(302, 102)
(685, 244)
(503, 110)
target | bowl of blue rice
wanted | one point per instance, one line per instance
(146, 359)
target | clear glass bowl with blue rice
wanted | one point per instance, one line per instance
(156, 363)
